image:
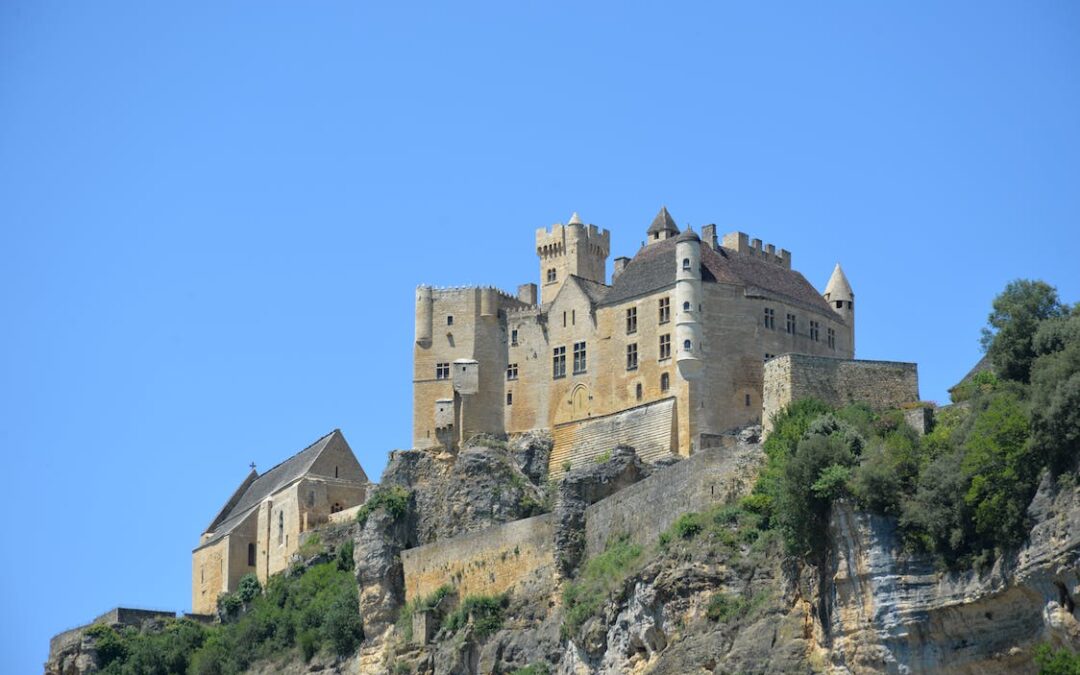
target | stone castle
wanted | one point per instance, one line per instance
(693, 338)
(668, 355)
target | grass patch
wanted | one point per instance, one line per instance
(484, 611)
(583, 597)
(395, 500)
(430, 602)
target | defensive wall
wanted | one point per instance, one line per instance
(879, 384)
(650, 429)
(645, 509)
(118, 616)
(486, 562)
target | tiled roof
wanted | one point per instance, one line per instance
(595, 290)
(663, 222)
(653, 268)
(267, 484)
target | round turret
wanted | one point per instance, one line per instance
(688, 298)
(841, 299)
(424, 304)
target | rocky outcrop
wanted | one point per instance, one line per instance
(582, 487)
(892, 612)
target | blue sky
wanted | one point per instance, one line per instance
(213, 216)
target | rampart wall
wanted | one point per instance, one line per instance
(879, 384)
(645, 509)
(486, 562)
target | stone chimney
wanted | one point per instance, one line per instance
(620, 265)
(527, 293)
(708, 236)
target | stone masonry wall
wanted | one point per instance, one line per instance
(879, 384)
(486, 562)
(645, 509)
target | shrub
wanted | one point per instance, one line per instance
(248, 588)
(583, 597)
(311, 546)
(687, 526)
(533, 669)
(1060, 662)
(345, 556)
(394, 500)
(484, 611)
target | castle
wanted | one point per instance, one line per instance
(668, 356)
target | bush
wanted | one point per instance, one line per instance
(533, 669)
(345, 556)
(687, 526)
(484, 611)
(311, 546)
(1060, 662)
(394, 500)
(249, 588)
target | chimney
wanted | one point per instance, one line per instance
(620, 265)
(527, 293)
(708, 235)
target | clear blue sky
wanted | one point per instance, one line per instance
(213, 216)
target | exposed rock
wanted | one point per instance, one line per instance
(377, 557)
(587, 485)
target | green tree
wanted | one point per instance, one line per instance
(1012, 324)
(1055, 392)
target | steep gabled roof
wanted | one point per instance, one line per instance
(256, 488)
(653, 268)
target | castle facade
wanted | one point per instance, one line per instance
(668, 354)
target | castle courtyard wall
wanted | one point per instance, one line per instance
(486, 562)
(837, 382)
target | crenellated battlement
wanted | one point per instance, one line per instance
(557, 239)
(740, 242)
(461, 290)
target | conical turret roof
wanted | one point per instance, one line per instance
(838, 286)
(575, 220)
(688, 235)
(663, 222)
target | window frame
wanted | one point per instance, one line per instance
(581, 363)
(558, 362)
(442, 371)
(631, 320)
(664, 307)
(632, 356)
(665, 347)
(511, 372)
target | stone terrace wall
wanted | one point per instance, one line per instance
(648, 428)
(486, 562)
(879, 384)
(645, 509)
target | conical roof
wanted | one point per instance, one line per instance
(688, 235)
(663, 222)
(575, 220)
(838, 286)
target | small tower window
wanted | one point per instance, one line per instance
(449, 319)
(513, 338)
(251, 555)
(280, 527)
(512, 371)
(686, 264)
(665, 382)
(686, 307)
(839, 304)
(509, 398)
(637, 391)
(686, 345)
(335, 472)
(748, 400)
(551, 275)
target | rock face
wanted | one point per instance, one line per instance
(487, 483)
(894, 613)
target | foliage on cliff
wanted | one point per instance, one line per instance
(302, 614)
(961, 492)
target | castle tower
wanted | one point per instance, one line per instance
(841, 298)
(424, 304)
(572, 249)
(688, 296)
(663, 227)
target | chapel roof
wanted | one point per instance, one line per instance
(256, 488)
(653, 268)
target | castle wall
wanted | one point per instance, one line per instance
(879, 384)
(651, 429)
(486, 562)
(532, 354)
(645, 509)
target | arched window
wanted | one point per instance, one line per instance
(280, 527)
(686, 345)
(686, 263)
(665, 382)
(686, 307)
(638, 392)
(251, 555)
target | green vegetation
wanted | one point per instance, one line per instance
(533, 669)
(311, 546)
(726, 607)
(603, 457)
(583, 597)
(484, 611)
(345, 556)
(961, 492)
(1060, 662)
(405, 616)
(395, 500)
(305, 614)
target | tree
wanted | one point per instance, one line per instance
(1055, 392)
(1011, 327)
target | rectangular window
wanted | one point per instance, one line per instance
(665, 346)
(449, 320)
(631, 321)
(832, 338)
(564, 319)
(551, 275)
(513, 338)
(665, 310)
(770, 318)
(511, 371)
(748, 400)
(509, 398)
(814, 328)
(631, 356)
(442, 371)
(573, 317)
(791, 323)
(579, 357)
(558, 362)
